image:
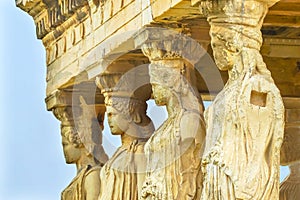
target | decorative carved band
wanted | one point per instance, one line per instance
(165, 44)
(48, 16)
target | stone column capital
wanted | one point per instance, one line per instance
(237, 23)
(166, 44)
(234, 8)
(133, 84)
(64, 114)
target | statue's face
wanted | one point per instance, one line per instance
(117, 123)
(160, 94)
(71, 152)
(223, 50)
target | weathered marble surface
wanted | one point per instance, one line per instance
(125, 171)
(245, 123)
(80, 36)
(174, 150)
(82, 146)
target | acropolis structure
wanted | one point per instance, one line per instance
(108, 57)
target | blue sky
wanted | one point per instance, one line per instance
(32, 165)
(32, 162)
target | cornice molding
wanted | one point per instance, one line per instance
(50, 15)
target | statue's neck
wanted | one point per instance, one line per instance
(173, 106)
(84, 161)
(246, 63)
(187, 101)
(127, 138)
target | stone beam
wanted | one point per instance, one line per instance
(281, 48)
(78, 35)
(71, 96)
(284, 13)
(81, 38)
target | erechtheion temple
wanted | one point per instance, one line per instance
(108, 57)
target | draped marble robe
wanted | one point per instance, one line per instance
(123, 175)
(245, 123)
(76, 189)
(174, 150)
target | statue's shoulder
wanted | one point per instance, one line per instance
(92, 169)
(190, 115)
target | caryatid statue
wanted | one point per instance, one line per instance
(245, 122)
(125, 99)
(290, 151)
(174, 150)
(82, 145)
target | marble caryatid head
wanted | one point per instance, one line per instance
(125, 100)
(72, 145)
(176, 80)
(76, 142)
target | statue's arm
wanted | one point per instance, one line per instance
(192, 126)
(192, 138)
(92, 185)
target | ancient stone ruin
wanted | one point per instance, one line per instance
(112, 56)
